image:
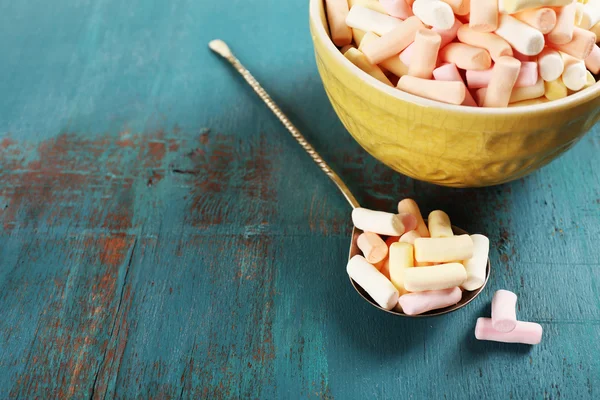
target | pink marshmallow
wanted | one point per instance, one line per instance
(528, 76)
(524, 332)
(504, 311)
(421, 302)
(448, 35)
(397, 8)
(449, 72)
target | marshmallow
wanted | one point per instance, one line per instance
(530, 102)
(574, 77)
(373, 282)
(409, 237)
(513, 6)
(368, 20)
(591, 14)
(596, 30)
(372, 246)
(528, 76)
(421, 302)
(378, 222)
(445, 92)
(424, 59)
(437, 277)
(590, 81)
(374, 5)
(447, 35)
(550, 64)
(565, 23)
(542, 19)
(524, 332)
(392, 42)
(459, 7)
(357, 58)
(337, 11)
(441, 250)
(439, 224)
(392, 64)
(555, 90)
(410, 206)
(358, 36)
(401, 259)
(344, 49)
(434, 13)
(476, 266)
(397, 8)
(484, 15)
(494, 44)
(525, 39)
(580, 46)
(465, 56)
(504, 311)
(518, 94)
(449, 73)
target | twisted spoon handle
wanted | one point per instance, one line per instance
(221, 48)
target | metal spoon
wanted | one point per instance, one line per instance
(221, 48)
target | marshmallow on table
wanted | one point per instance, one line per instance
(401, 259)
(392, 64)
(337, 11)
(425, 54)
(550, 64)
(374, 5)
(504, 311)
(459, 7)
(555, 90)
(565, 23)
(574, 77)
(513, 6)
(368, 20)
(410, 206)
(439, 224)
(542, 19)
(465, 56)
(592, 62)
(441, 250)
(528, 75)
(434, 13)
(580, 46)
(437, 277)
(372, 246)
(397, 8)
(445, 92)
(524, 332)
(447, 35)
(421, 302)
(476, 266)
(522, 37)
(494, 44)
(484, 15)
(373, 282)
(518, 94)
(393, 42)
(449, 72)
(357, 58)
(378, 222)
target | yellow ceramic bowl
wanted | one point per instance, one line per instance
(445, 144)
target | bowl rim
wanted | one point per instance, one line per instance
(571, 101)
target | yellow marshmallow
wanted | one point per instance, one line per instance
(555, 90)
(436, 277)
(439, 224)
(357, 58)
(401, 258)
(441, 250)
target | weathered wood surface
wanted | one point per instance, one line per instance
(162, 237)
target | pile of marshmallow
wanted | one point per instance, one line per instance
(509, 52)
(418, 267)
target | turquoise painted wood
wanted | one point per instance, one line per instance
(162, 237)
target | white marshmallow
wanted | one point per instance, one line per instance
(522, 37)
(437, 277)
(550, 65)
(367, 20)
(575, 75)
(434, 13)
(378, 222)
(419, 303)
(373, 282)
(476, 266)
(590, 14)
(504, 311)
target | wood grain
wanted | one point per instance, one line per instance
(162, 237)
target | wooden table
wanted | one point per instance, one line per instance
(162, 236)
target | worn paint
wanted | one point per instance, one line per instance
(161, 236)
